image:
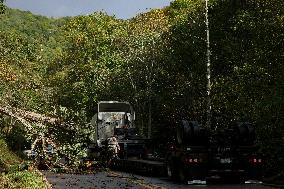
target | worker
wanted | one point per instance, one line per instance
(113, 146)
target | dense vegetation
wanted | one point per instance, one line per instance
(156, 61)
(18, 174)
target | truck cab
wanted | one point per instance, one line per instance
(117, 119)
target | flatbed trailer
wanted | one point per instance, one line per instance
(133, 156)
(140, 166)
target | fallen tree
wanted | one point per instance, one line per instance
(66, 138)
(31, 122)
(25, 116)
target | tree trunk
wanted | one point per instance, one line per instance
(30, 116)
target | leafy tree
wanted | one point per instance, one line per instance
(156, 61)
(2, 7)
(82, 72)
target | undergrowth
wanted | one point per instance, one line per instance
(16, 173)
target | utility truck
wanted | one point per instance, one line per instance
(116, 120)
(200, 155)
(118, 140)
(196, 155)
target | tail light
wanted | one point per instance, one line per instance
(255, 160)
(191, 160)
(172, 147)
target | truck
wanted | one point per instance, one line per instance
(195, 154)
(199, 155)
(118, 143)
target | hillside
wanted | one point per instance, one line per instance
(28, 44)
(15, 173)
(36, 28)
(157, 62)
(27, 24)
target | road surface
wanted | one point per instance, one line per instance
(120, 180)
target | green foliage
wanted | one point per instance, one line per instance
(247, 73)
(6, 156)
(246, 61)
(2, 7)
(156, 61)
(16, 175)
(88, 60)
(28, 44)
(24, 179)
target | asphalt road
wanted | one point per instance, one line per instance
(119, 180)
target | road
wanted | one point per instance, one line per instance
(119, 180)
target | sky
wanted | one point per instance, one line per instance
(122, 9)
